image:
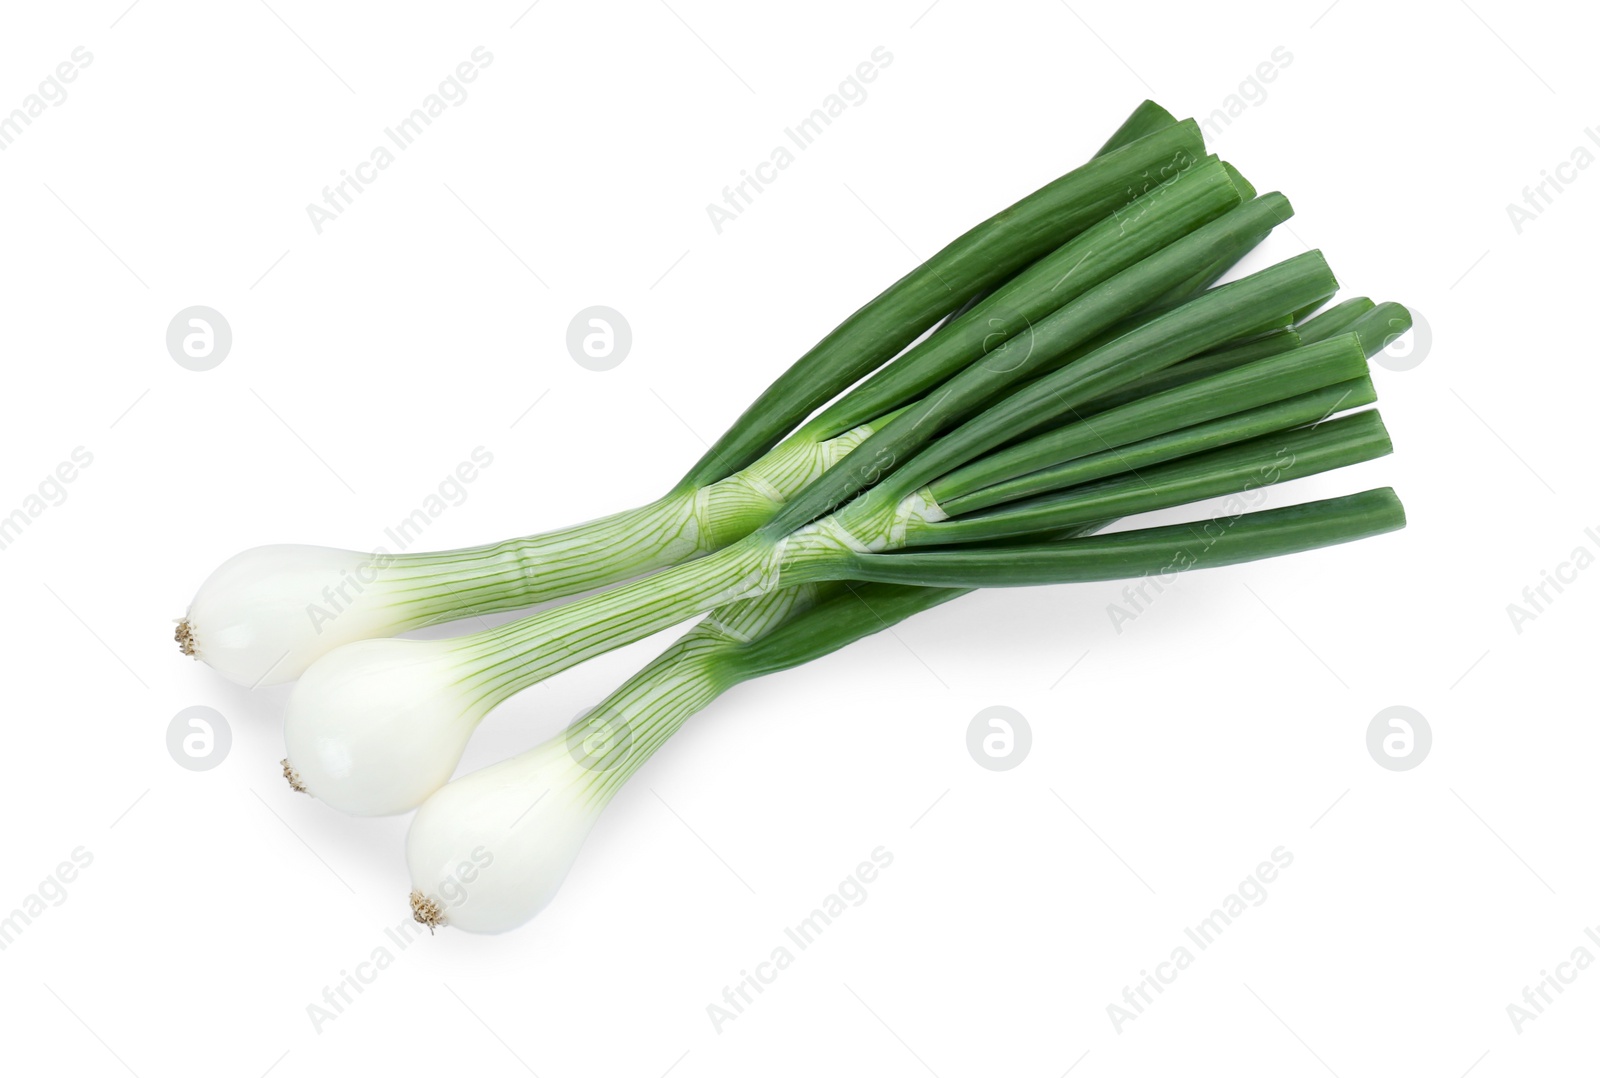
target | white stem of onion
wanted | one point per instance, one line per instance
(489, 850)
(265, 615)
(376, 726)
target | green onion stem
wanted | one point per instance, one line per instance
(731, 645)
(1336, 319)
(1312, 407)
(500, 662)
(1146, 119)
(1238, 389)
(1211, 318)
(1176, 208)
(428, 587)
(1226, 358)
(1238, 308)
(1234, 469)
(1222, 540)
(1379, 327)
(1376, 326)
(975, 261)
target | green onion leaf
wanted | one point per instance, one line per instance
(975, 261)
(1235, 469)
(1223, 540)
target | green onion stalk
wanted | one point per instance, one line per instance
(377, 725)
(266, 614)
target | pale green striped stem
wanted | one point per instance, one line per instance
(427, 588)
(627, 728)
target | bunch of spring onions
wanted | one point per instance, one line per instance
(1083, 366)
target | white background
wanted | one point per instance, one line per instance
(428, 319)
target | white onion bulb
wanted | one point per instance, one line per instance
(375, 727)
(488, 851)
(267, 613)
